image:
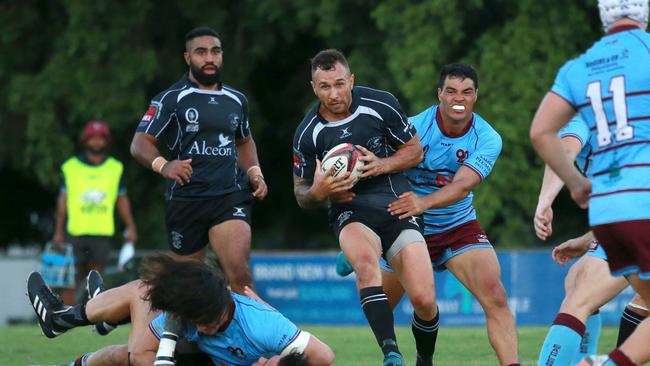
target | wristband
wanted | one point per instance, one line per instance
(158, 163)
(253, 167)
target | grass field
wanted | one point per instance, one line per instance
(25, 345)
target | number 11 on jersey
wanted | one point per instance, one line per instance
(623, 131)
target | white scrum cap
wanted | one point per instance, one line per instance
(613, 10)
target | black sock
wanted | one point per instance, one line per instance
(380, 317)
(74, 316)
(629, 321)
(425, 333)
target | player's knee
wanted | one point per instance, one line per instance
(423, 301)
(119, 355)
(494, 295)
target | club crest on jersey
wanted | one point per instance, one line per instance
(213, 100)
(177, 239)
(414, 220)
(192, 118)
(234, 120)
(375, 144)
(345, 133)
(461, 155)
(298, 159)
(236, 351)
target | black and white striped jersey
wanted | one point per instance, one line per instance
(201, 125)
(377, 123)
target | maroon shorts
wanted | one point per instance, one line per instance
(627, 244)
(448, 244)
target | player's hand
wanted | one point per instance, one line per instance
(58, 240)
(131, 234)
(543, 221)
(324, 184)
(407, 204)
(342, 197)
(259, 185)
(248, 292)
(580, 192)
(570, 249)
(372, 167)
(179, 171)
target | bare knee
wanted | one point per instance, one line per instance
(119, 355)
(493, 296)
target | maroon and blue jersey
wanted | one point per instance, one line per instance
(477, 148)
(609, 86)
(201, 125)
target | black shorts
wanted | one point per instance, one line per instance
(387, 227)
(188, 222)
(91, 249)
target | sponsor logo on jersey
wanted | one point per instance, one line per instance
(177, 239)
(482, 238)
(375, 144)
(224, 140)
(213, 100)
(239, 212)
(92, 201)
(345, 133)
(298, 159)
(413, 220)
(150, 114)
(236, 351)
(234, 120)
(192, 118)
(343, 217)
(202, 148)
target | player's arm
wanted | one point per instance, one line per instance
(143, 348)
(573, 248)
(124, 210)
(317, 352)
(61, 213)
(553, 113)
(248, 162)
(312, 193)
(410, 204)
(551, 186)
(407, 156)
(145, 152)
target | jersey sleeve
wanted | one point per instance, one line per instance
(577, 128)
(158, 116)
(157, 325)
(275, 332)
(561, 84)
(482, 160)
(399, 130)
(304, 153)
(243, 130)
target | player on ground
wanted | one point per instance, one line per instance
(460, 150)
(229, 328)
(588, 284)
(609, 87)
(215, 166)
(373, 121)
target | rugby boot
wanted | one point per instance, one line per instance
(45, 304)
(393, 359)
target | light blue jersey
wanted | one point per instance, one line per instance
(255, 330)
(609, 85)
(478, 149)
(578, 128)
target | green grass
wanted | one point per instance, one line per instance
(25, 345)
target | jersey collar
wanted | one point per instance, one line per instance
(84, 159)
(442, 130)
(621, 28)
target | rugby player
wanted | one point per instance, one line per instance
(215, 173)
(609, 86)
(372, 120)
(230, 328)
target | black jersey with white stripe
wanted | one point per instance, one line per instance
(201, 125)
(377, 123)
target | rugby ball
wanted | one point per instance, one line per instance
(344, 158)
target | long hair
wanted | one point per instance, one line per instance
(294, 359)
(189, 289)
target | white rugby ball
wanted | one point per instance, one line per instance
(344, 158)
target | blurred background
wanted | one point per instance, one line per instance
(64, 63)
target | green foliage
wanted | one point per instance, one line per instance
(66, 62)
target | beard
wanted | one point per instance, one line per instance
(97, 150)
(203, 78)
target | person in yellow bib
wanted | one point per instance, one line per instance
(92, 187)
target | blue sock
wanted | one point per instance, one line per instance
(592, 333)
(562, 342)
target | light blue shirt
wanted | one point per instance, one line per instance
(255, 330)
(609, 86)
(478, 149)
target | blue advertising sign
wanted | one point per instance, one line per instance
(306, 288)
